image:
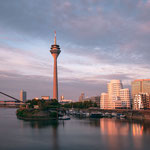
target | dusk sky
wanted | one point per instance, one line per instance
(100, 40)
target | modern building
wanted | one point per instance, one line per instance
(55, 51)
(114, 93)
(81, 97)
(104, 101)
(23, 95)
(125, 98)
(116, 98)
(140, 86)
(141, 101)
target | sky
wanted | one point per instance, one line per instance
(100, 40)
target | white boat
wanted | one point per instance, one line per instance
(122, 116)
(114, 114)
(87, 114)
(64, 118)
(107, 115)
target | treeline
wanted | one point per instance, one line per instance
(85, 104)
(43, 104)
(53, 103)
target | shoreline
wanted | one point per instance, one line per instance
(130, 114)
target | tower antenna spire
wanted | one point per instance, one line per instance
(55, 39)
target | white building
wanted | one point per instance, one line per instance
(125, 98)
(114, 93)
(141, 101)
(137, 102)
(104, 101)
(117, 97)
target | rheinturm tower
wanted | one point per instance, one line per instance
(55, 51)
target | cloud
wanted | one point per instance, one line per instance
(100, 40)
(36, 85)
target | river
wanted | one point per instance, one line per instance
(74, 134)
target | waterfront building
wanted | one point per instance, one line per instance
(55, 51)
(117, 97)
(23, 95)
(104, 101)
(66, 101)
(81, 97)
(125, 98)
(141, 101)
(114, 93)
(45, 97)
(140, 86)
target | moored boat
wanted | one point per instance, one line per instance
(64, 118)
(107, 115)
(96, 115)
(122, 116)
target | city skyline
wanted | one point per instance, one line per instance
(99, 43)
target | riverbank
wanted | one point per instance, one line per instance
(130, 114)
(36, 118)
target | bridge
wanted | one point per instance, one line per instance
(15, 99)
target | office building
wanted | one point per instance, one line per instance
(141, 101)
(81, 97)
(140, 86)
(23, 95)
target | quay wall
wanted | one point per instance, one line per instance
(130, 114)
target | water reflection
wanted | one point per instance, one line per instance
(114, 130)
(40, 125)
(113, 133)
(113, 127)
(55, 138)
(137, 130)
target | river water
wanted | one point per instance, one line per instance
(74, 134)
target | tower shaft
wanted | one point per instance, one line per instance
(55, 80)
